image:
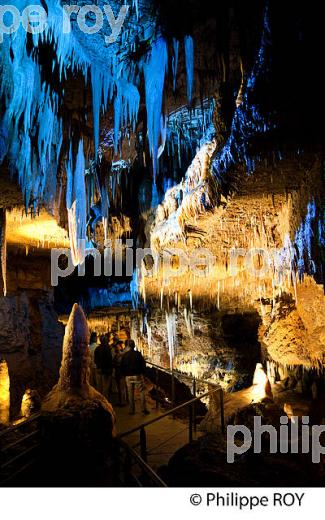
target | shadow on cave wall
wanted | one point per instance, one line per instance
(241, 334)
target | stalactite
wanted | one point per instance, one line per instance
(135, 289)
(155, 69)
(189, 59)
(247, 120)
(136, 5)
(171, 321)
(189, 321)
(149, 335)
(96, 93)
(126, 107)
(30, 103)
(303, 240)
(3, 250)
(175, 61)
(76, 205)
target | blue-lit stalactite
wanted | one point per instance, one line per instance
(155, 70)
(135, 289)
(189, 59)
(248, 121)
(76, 202)
(115, 295)
(175, 61)
(187, 130)
(31, 129)
(304, 240)
(202, 188)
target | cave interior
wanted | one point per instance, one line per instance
(169, 180)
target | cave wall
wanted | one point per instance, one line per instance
(274, 209)
(213, 345)
(293, 333)
(30, 334)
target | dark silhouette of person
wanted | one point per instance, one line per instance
(104, 365)
(133, 367)
(119, 378)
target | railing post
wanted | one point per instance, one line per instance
(190, 424)
(194, 404)
(157, 378)
(127, 469)
(143, 444)
(116, 463)
(173, 389)
(222, 412)
(194, 387)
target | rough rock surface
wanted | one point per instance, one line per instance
(296, 332)
(209, 345)
(30, 334)
(204, 463)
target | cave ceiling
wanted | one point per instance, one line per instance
(195, 118)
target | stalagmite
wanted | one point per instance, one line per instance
(261, 388)
(76, 419)
(74, 372)
(30, 403)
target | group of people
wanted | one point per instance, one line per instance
(120, 364)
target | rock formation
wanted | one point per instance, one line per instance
(77, 421)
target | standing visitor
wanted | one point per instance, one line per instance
(133, 367)
(118, 376)
(104, 365)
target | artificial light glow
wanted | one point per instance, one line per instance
(4, 393)
(41, 231)
(261, 388)
(26, 404)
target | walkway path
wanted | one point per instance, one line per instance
(164, 437)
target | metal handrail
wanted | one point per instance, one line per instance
(22, 454)
(142, 464)
(182, 374)
(19, 425)
(144, 452)
(166, 414)
(19, 441)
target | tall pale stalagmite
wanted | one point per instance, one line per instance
(261, 388)
(74, 372)
(77, 422)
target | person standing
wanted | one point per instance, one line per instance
(118, 376)
(104, 365)
(133, 367)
